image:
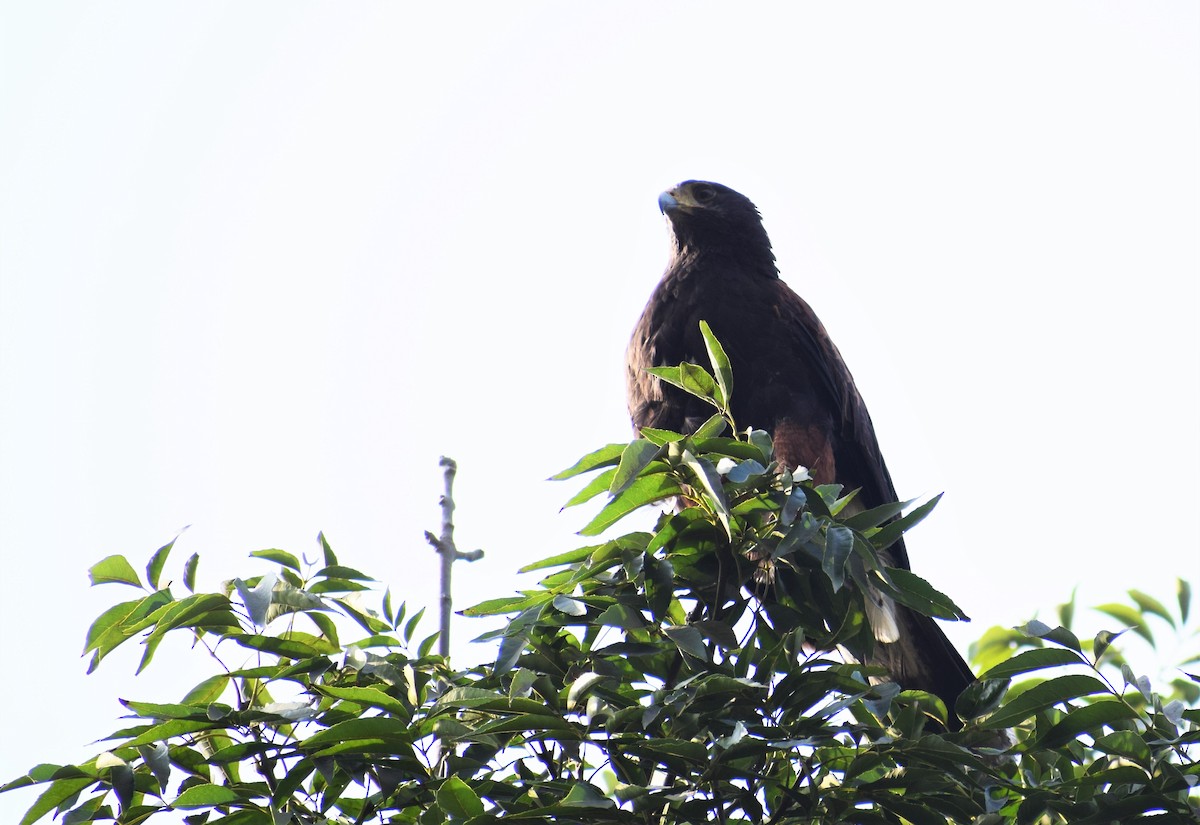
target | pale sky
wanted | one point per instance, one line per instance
(262, 263)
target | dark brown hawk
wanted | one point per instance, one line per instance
(791, 380)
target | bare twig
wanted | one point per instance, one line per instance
(444, 545)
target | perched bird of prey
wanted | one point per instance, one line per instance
(790, 380)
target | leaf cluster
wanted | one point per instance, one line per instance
(709, 669)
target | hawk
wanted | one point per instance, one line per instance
(791, 381)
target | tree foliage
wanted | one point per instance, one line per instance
(702, 671)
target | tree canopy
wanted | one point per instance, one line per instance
(706, 670)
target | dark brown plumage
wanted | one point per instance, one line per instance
(789, 379)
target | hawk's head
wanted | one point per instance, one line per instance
(709, 217)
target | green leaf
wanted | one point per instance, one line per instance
(287, 599)
(581, 686)
(457, 799)
(209, 611)
(91, 811)
(206, 796)
(744, 470)
(155, 565)
(326, 550)
(696, 380)
(512, 645)
(981, 697)
(189, 572)
(532, 723)
(569, 557)
(673, 749)
(646, 490)
(914, 813)
(661, 437)
(730, 447)
(280, 557)
(761, 440)
(54, 796)
(1087, 718)
(669, 374)
(369, 696)
(634, 458)
(714, 684)
(829, 493)
(1066, 611)
(599, 483)
(799, 533)
(1103, 641)
(522, 683)
(113, 569)
(122, 622)
(706, 474)
(1125, 743)
(719, 632)
(487, 700)
(622, 616)
(503, 605)
(291, 781)
(572, 607)
(1151, 605)
(328, 586)
(837, 507)
(381, 729)
(297, 646)
(338, 571)
(660, 585)
(876, 515)
(713, 427)
(410, 627)
(605, 456)
(1031, 660)
(913, 591)
(890, 532)
(168, 730)
(239, 752)
(1040, 697)
(1128, 616)
(839, 541)
(371, 624)
(585, 795)
(1183, 592)
(691, 378)
(1058, 635)
(208, 691)
(720, 364)
(689, 640)
(163, 711)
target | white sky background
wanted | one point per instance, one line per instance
(261, 264)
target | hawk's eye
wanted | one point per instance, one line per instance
(704, 193)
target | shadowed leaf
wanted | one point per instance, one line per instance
(1040, 697)
(634, 458)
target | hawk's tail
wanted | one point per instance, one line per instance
(924, 659)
